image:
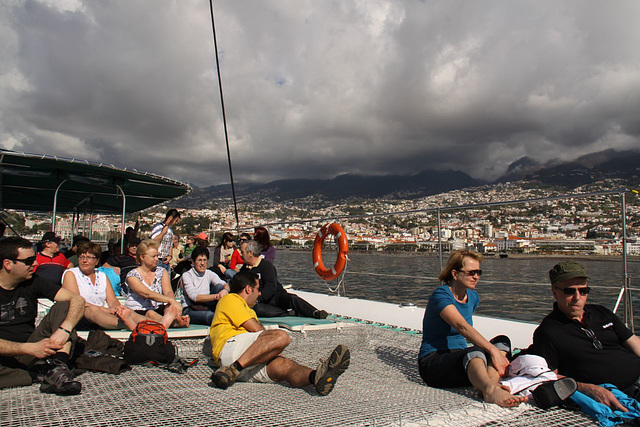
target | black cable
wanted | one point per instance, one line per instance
(224, 115)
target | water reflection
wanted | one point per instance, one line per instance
(400, 278)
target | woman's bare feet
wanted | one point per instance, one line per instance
(182, 322)
(500, 395)
(126, 315)
(171, 314)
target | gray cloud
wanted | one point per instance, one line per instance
(318, 88)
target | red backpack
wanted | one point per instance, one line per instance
(149, 342)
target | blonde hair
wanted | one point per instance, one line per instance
(456, 262)
(144, 246)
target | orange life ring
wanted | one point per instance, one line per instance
(336, 230)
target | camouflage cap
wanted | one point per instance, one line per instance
(566, 270)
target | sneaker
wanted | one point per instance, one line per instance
(320, 314)
(330, 369)
(59, 380)
(224, 377)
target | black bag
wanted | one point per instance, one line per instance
(149, 342)
(100, 353)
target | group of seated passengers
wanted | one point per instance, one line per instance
(148, 288)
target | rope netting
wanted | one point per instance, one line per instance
(381, 387)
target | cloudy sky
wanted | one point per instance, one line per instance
(320, 87)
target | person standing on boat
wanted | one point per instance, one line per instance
(248, 352)
(150, 292)
(27, 353)
(94, 286)
(162, 233)
(201, 289)
(267, 250)
(587, 342)
(274, 300)
(444, 359)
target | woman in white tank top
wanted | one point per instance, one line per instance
(95, 288)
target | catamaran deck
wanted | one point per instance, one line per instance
(381, 388)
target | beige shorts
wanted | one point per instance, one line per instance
(233, 349)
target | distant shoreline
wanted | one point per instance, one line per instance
(610, 258)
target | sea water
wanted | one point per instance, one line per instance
(511, 288)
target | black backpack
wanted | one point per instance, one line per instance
(149, 343)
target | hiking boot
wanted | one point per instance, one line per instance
(59, 380)
(320, 314)
(224, 377)
(330, 369)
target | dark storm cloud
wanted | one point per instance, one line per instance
(318, 88)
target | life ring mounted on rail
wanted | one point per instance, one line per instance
(337, 231)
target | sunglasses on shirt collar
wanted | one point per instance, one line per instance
(26, 261)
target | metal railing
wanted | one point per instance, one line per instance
(625, 296)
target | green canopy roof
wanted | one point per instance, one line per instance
(28, 182)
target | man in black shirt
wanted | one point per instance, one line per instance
(587, 342)
(274, 300)
(123, 264)
(22, 345)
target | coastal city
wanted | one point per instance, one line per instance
(582, 226)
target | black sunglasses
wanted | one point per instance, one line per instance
(26, 261)
(592, 336)
(572, 291)
(472, 272)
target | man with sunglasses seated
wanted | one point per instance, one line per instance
(27, 353)
(587, 342)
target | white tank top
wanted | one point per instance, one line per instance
(138, 302)
(93, 294)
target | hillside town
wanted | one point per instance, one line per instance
(581, 226)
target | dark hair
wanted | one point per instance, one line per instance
(9, 247)
(172, 213)
(245, 236)
(79, 238)
(261, 235)
(134, 241)
(241, 280)
(456, 262)
(2, 228)
(226, 238)
(89, 247)
(199, 250)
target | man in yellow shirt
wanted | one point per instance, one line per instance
(248, 352)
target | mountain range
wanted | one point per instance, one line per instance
(624, 165)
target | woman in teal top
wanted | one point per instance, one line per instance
(444, 359)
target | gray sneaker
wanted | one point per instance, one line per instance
(59, 380)
(330, 369)
(224, 377)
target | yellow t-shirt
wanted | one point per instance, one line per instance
(231, 312)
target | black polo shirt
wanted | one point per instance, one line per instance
(566, 346)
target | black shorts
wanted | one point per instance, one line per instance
(448, 368)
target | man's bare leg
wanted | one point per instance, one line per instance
(265, 348)
(485, 380)
(282, 368)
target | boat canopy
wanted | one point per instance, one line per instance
(40, 182)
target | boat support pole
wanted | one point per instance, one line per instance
(628, 301)
(124, 210)
(55, 206)
(439, 239)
